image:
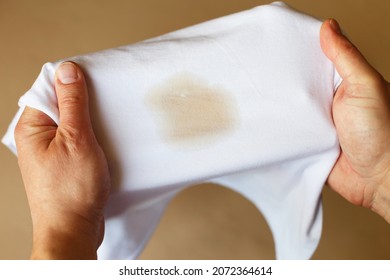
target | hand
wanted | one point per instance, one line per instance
(361, 112)
(65, 173)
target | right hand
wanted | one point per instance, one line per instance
(361, 113)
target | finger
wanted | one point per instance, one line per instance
(349, 62)
(72, 97)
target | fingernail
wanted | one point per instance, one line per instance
(335, 26)
(67, 73)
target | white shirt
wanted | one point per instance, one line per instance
(243, 101)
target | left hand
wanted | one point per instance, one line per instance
(65, 173)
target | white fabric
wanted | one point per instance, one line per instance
(276, 143)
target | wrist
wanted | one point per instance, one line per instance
(66, 238)
(381, 200)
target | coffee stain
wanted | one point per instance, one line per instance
(191, 111)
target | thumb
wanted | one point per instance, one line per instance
(72, 96)
(349, 62)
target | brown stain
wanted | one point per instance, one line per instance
(190, 111)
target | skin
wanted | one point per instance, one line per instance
(67, 180)
(361, 113)
(65, 174)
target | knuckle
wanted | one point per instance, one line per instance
(71, 98)
(21, 129)
(70, 136)
(376, 81)
(74, 140)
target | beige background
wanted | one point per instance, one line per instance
(203, 222)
